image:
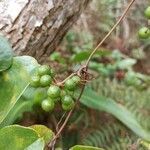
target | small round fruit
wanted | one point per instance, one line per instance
(43, 70)
(147, 12)
(144, 33)
(53, 91)
(67, 100)
(76, 79)
(47, 105)
(70, 85)
(45, 80)
(35, 81)
(68, 107)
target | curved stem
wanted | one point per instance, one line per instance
(109, 33)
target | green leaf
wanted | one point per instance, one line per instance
(126, 63)
(82, 147)
(17, 137)
(13, 83)
(43, 132)
(16, 112)
(83, 55)
(37, 145)
(6, 55)
(92, 100)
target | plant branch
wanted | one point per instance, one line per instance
(83, 70)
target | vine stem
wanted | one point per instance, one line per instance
(52, 143)
(109, 33)
(62, 82)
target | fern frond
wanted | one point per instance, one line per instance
(134, 100)
(112, 137)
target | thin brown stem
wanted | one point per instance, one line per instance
(57, 126)
(109, 33)
(62, 82)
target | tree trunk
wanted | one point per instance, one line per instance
(35, 27)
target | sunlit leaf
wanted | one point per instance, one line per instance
(17, 137)
(13, 83)
(43, 132)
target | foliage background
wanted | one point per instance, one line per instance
(114, 110)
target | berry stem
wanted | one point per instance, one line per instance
(62, 82)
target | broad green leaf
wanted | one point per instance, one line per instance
(43, 132)
(17, 137)
(6, 55)
(82, 147)
(37, 145)
(30, 97)
(16, 112)
(92, 100)
(13, 83)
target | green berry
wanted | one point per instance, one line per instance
(144, 33)
(47, 105)
(70, 85)
(67, 100)
(53, 91)
(68, 107)
(76, 79)
(147, 12)
(43, 70)
(45, 80)
(35, 81)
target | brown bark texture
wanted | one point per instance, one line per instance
(35, 27)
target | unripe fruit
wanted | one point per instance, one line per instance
(53, 91)
(68, 107)
(45, 80)
(43, 70)
(144, 33)
(67, 100)
(47, 105)
(35, 81)
(70, 85)
(76, 79)
(147, 12)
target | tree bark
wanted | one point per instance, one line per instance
(35, 27)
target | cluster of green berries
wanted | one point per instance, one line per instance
(43, 77)
(55, 93)
(144, 32)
